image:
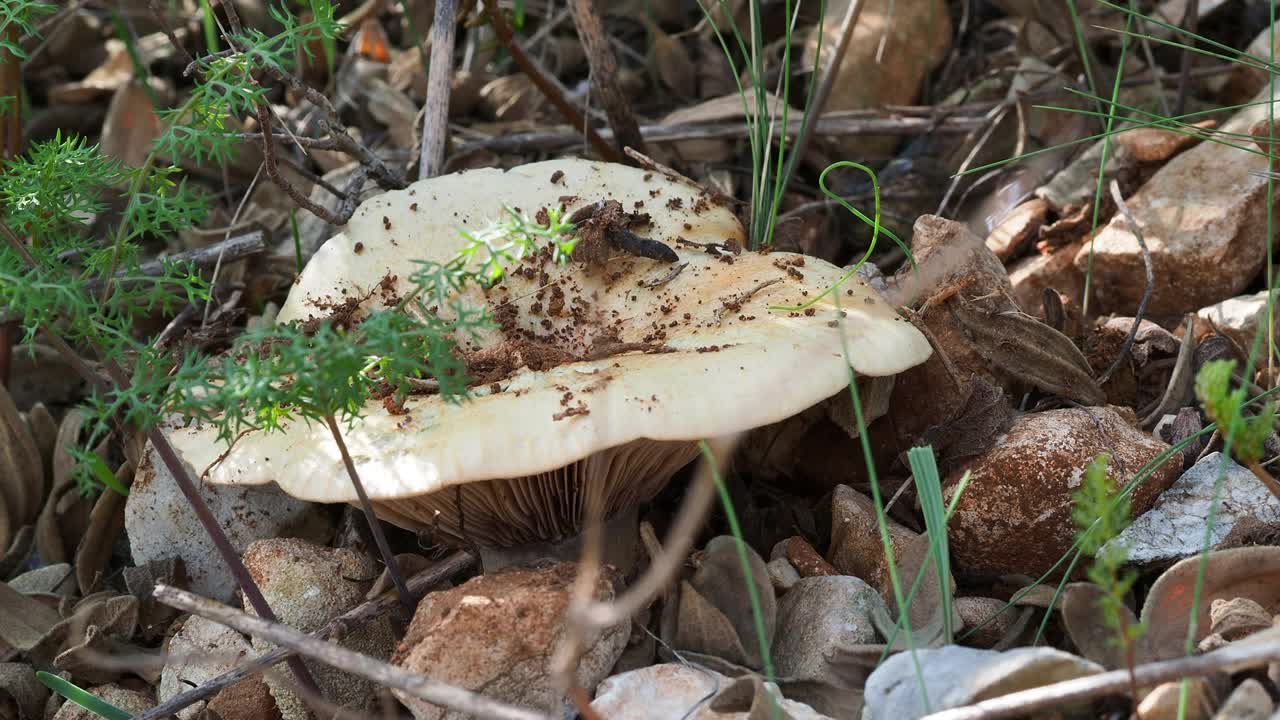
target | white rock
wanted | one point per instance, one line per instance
(782, 574)
(162, 525)
(199, 652)
(1238, 317)
(672, 690)
(955, 676)
(1174, 527)
(817, 614)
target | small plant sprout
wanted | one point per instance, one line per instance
(1225, 407)
(1101, 512)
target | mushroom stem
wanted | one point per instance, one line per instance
(407, 600)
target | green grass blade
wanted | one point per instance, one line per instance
(83, 698)
(924, 468)
(882, 522)
(210, 26)
(757, 609)
(876, 229)
(1102, 167)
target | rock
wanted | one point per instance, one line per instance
(782, 574)
(1238, 318)
(672, 690)
(805, 559)
(1015, 515)
(955, 676)
(987, 628)
(130, 700)
(1162, 703)
(816, 616)
(306, 586)
(200, 651)
(855, 537)
(1016, 231)
(1207, 240)
(161, 524)
(57, 579)
(495, 634)
(1174, 526)
(1249, 701)
(1055, 269)
(246, 700)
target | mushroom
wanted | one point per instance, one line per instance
(604, 373)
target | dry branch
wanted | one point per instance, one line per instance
(604, 75)
(335, 628)
(435, 115)
(1259, 650)
(384, 674)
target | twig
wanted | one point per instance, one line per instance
(335, 628)
(382, 673)
(408, 601)
(435, 115)
(1241, 655)
(604, 75)
(1146, 291)
(535, 74)
(843, 123)
(586, 615)
(230, 250)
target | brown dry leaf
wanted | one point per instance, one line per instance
(24, 621)
(114, 616)
(715, 616)
(723, 108)
(106, 522)
(16, 555)
(42, 375)
(671, 62)
(1248, 572)
(701, 628)
(895, 44)
(104, 80)
(131, 125)
(1029, 350)
(1085, 624)
(749, 695)
(21, 470)
(392, 108)
(22, 696)
(62, 522)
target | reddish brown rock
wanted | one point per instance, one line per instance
(1204, 218)
(1016, 231)
(1015, 515)
(496, 633)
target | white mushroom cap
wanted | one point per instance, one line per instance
(707, 357)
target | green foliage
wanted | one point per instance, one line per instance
(1101, 512)
(78, 695)
(202, 128)
(288, 372)
(1225, 407)
(770, 171)
(924, 468)
(22, 15)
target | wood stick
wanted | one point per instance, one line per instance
(604, 75)
(335, 628)
(435, 115)
(385, 674)
(548, 88)
(1252, 652)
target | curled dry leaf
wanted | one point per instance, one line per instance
(1086, 626)
(1248, 572)
(105, 523)
(715, 615)
(21, 470)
